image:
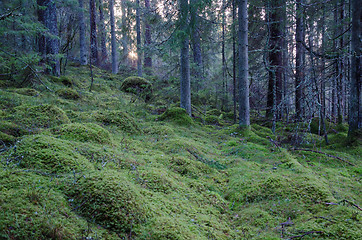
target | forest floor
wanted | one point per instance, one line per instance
(104, 165)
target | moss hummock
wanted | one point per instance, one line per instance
(50, 154)
(68, 93)
(137, 85)
(177, 115)
(118, 118)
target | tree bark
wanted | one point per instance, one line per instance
(185, 100)
(244, 108)
(148, 37)
(102, 30)
(196, 45)
(234, 60)
(113, 38)
(138, 32)
(355, 101)
(93, 33)
(82, 44)
(299, 71)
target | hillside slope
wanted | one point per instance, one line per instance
(103, 165)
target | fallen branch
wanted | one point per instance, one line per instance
(328, 155)
(304, 234)
(351, 203)
(9, 14)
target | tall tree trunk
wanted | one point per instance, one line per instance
(244, 108)
(185, 100)
(49, 17)
(234, 59)
(322, 111)
(341, 70)
(299, 61)
(93, 33)
(102, 30)
(41, 38)
(148, 37)
(355, 101)
(275, 23)
(224, 88)
(138, 32)
(82, 44)
(113, 38)
(125, 50)
(196, 45)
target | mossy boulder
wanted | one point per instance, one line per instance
(66, 81)
(137, 85)
(68, 93)
(109, 199)
(41, 116)
(177, 115)
(51, 154)
(118, 118)
(27, 91)
(88, 132)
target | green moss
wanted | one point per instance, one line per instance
(12, 129)
(65, 80)
(27, 91)
(177, 115)
(88, 132)
(68, 93)
(41, 116)
(118, 118)
(159, 130)
(6, 138)
(50, 154)
(137, 85)
(214, 112)
(109, 199)
(212, 120)
(159, 180)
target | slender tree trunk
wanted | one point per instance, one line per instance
(138, 31)
(299, 71)
(113, 38)
(82, 44)
(102, 31)
(234, 60)
(93, 33)
(148, 37)
(244, 108)
(196, 45)
(41, 38)
(125, 51)
(224, 90)
(185, 101)
(355, 101)
(322, 111)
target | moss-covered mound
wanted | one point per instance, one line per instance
(68, 93)
(50, 154)
(136, 85)
(121, 119)
(27, 91)
(212, 120)
(177, 115)
(62, 79)
(12, 129)
(88, 132)
(41, 116)
(109, 199)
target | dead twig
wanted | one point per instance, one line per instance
(351, 203)
(273, 142)
(328, 155)
(9, 14)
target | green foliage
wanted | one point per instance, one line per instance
(51, 154)
(68, 93)
(26, 91)
(118, 118)
(109, 199)
(88, 132)
(66, 81)
(137, 85)
(177, 115)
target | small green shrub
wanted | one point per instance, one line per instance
(50, 154)
(68, 93)
(109, 199)
(177, 115)
(88, 132)
(121, 119)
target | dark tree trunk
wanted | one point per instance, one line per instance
(49, 18)
(113, 38)
(41, 38)
(244, 109)
(102, 30)
(82, 44)
(125, 50)
(93, 33)
(148, 37)
(355, 101)
(299, 61)
(185, 100)
(196, 45)
(138, 32)
(275, 23)
(234, 60)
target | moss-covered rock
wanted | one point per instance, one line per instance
(177, 115)
(137, 85)
(118, 118)
(68, 93)
(88, 132)
(50, 154)
(66, 81)
(41, 116)
(109, 199)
